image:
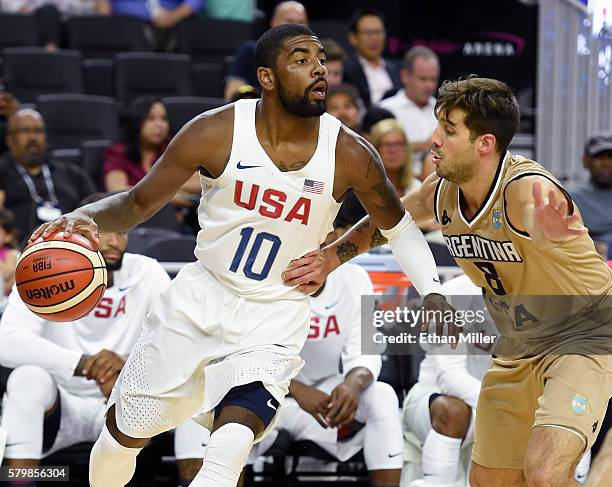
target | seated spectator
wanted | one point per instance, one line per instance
(8, 106)
(414, 105)
(372, 116)
(375, 77)
(242, 70)
(594, 199)
(343, 412)
(34, 188)
(343, 102)
(8, 249)
(335, 59)
(234, 10)
(145, 137)
(388, 137)
(56, 395)
(163, 15)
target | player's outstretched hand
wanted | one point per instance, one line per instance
(73, 222)
(342, 404)
(103, 366)
(312, 400)
(308, 272)
(436, 305)
(552, 219)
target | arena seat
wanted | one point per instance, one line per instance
(211, 39)
(181, 109)
(17, 30)
(152, 73)
(102, 36)
(73, 119)
(99, 77)
(92, 159)
(171, 248)
(32, 71)
(208, 78)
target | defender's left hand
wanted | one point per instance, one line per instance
(552, 219)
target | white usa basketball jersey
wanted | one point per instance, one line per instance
(334, 339)
(255, 219)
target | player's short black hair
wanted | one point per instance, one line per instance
(271, 43)
(364, 12)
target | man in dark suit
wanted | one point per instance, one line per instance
(375, 77)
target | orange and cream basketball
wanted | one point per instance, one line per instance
(61, 279)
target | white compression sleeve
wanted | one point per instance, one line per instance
(413, 255)
(110, 463)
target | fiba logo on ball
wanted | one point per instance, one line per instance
(61, 279)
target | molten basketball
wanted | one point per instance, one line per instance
(61, 279)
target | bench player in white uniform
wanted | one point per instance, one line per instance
(64, 372)
(223, 341)
(364, 412)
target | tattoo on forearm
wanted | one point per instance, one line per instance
(346, 251)
(364, 226)
(377, 239)
(386, 194)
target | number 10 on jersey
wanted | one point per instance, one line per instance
(245, 238)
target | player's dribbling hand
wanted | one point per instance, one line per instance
(342, 404)
(313, 401)
(437, 305)
(308, 272)
(102, 366)
(73, 222)
(552, 219)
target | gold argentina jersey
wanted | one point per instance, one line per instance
(510, 268)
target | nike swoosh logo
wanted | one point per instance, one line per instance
(15, 443)
(270, 405)
(394, 455)
(121, 289)
(436, 280)
(331, 305)
(242, 166)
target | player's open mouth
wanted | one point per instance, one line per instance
(435, 157)
(319, 89)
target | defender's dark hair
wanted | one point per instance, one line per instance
(271, 43)
(489, 105)
(364, 12)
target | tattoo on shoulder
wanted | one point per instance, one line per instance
(346, 251)
(377, 239)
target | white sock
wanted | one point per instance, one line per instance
(440, 458)
(225, 456)
(110, 463)
(583, 467)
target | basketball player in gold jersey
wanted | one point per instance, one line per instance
(516, 233)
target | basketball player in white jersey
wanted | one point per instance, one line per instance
(343, 410)
(223, 341)
(65, 372)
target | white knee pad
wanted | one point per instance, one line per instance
(30, 392)
(190, 439)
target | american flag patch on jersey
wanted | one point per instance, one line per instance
(312, 186)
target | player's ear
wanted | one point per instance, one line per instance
(487, 143)
(265, 76)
